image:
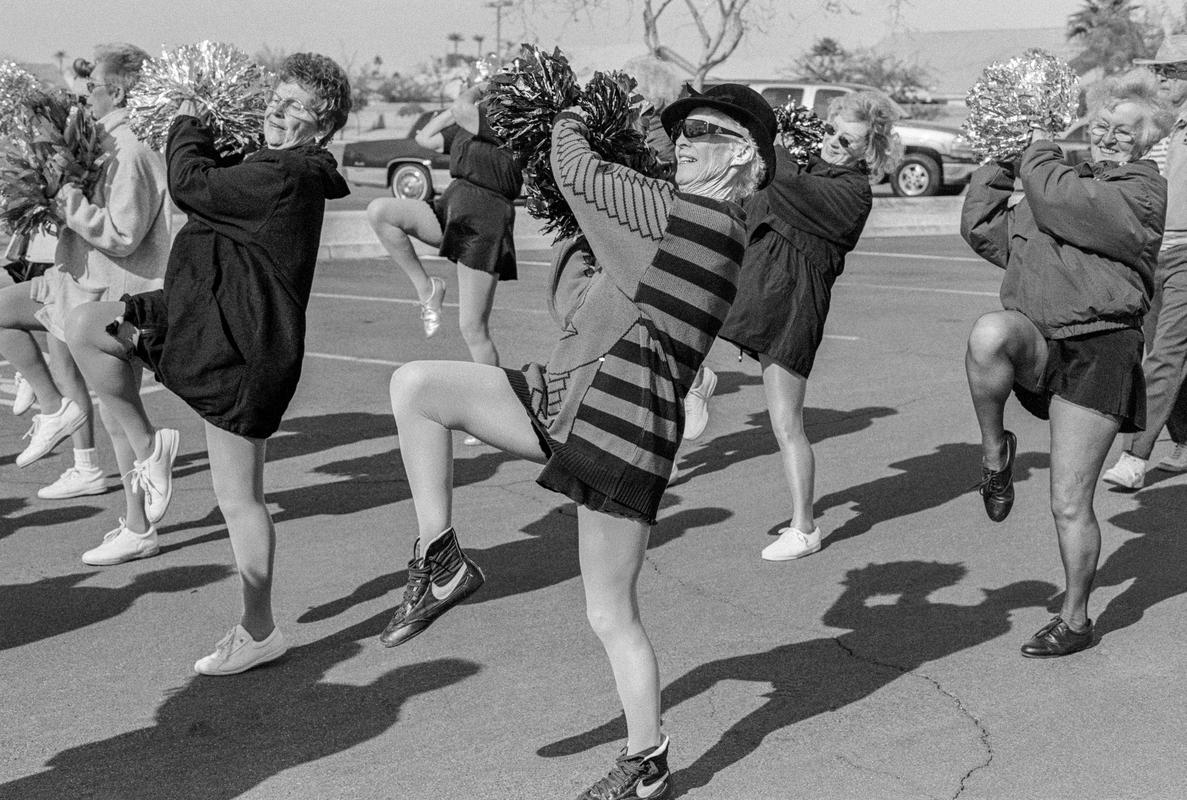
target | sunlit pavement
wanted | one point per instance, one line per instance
(886, 666)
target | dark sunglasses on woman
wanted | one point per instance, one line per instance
(698, 129)
(845, 140)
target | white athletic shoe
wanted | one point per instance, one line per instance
(24, 394)
(75, 482)
(49, 429)
(120, 545)
(430, 310)
(696, 405)
(792, 543)
(238, 652)
(154, 475)
(1129, 472)
(1176, 461)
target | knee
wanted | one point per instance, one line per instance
(788, 427)
(1070, 506)
(237, 502)
(407, 385)
(474, 329)
(606, 621)
(987, 341)
(381, 217)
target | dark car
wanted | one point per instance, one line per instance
(403, 166)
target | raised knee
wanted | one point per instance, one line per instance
(988, 338)
(406, 385)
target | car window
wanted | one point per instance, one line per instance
(823, 98)
(781, 95)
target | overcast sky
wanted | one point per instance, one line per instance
(407, 32)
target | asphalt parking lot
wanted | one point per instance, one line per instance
(884, 667)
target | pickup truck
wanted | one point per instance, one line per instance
(936, 159)
(400, 164)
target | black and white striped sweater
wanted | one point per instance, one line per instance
(613, 388)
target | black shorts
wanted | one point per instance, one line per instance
(558, 479)
(1101, 371)
(142, 331)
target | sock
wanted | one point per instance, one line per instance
(85, 459)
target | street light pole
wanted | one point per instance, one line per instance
(498, 6)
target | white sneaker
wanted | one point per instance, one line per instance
(24, 394)
(430, 310)
(238, 652)
(1129, 472)
(792, 543)
(120, 545)
(154, 475)
(49, 429)
(75, 482)
(1176, 461)
(696, 405)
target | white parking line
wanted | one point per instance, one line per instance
(356, 359)
(931, 289)
(918, 256)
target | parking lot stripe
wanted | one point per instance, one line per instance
(918, 256)
(356, 359)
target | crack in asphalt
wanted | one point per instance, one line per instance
(982, 731)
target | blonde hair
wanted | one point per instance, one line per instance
(123, 62)
(1140, 87)
(654, 80)
(883, 148)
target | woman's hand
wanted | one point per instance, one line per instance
(190, 108)
(1040, 134)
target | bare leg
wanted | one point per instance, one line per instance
(611, 551)
(72, 384)
(1002, 345)
(19, 348)
(134, 517)
(1080, 440)
(237, 471)
(104, 363)
(394, 220)
(432, 398)
(785, 400)
(476, 298)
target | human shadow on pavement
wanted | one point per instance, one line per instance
(366, 482)
(218, 738)
(756, 439)
(57, 605)
(547, 557)
(891, 637)
(924, 482)
(732, 381)
(302, 436)
(11, 521)
(1153, 560)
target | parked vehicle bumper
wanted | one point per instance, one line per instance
(958, 170)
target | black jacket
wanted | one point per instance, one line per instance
(239, 276)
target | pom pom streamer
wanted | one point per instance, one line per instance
(53, 141)
(800, 131)
(521, 102)
(229, 88)
(15, 85)
(1035, 89)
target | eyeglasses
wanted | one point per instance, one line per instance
(699, 129)
(285, 105)
(1100, 131)
(1177, 70)
(845, 140)
(92, 85)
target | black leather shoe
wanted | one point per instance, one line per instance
(1056, 639)
(997, 486)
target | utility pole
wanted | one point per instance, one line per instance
(498, 6)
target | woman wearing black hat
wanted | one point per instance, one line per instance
(605, 413)
(801, 227)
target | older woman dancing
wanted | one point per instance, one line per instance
(1079, 252)
(605, 413)
(801, 227)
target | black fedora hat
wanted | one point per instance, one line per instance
(739, 102)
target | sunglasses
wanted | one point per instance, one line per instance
(93, 85)
(699, 129)
(1177, 70)
(845, 140)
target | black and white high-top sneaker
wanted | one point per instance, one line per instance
(642, 775)
(437, 582)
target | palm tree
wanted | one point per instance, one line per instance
(1113, 33)
(478, 37)
(456, 38)
(60, 56)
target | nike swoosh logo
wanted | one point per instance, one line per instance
(645, 790)
(442, 592)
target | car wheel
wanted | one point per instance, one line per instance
(411, 182)
(917, 175)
